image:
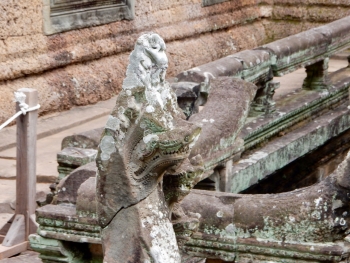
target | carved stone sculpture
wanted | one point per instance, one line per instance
(317, 75)
(310, 224)
(263, 102)
(145, 135)
(144, 169)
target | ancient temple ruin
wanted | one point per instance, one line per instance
(231, 133)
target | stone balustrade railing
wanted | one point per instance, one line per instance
(72, 222)
(277, 58)
(310, 49)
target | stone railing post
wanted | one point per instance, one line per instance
(317, 75)
(263, 102)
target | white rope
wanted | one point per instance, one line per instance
(20, 97)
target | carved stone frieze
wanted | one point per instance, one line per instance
(64, 15)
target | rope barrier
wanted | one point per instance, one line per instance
(20, 97)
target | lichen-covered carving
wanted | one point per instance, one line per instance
(63, 251)
(177, 184)
(310, 223)
(263, 102)
(317, 75)
(145, 135)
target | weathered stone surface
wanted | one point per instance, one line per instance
(259, 227)
(317, 75)
(319, 221)
(71, 158)
(337, 33)
(278, 29)
(62, 222)
(329, 12)
(295, 108)
(64, 251)
(64, 16)
(75, 157)
(24, 257)
(312, 168)
(227, 66)
(280, 152)
(66, 87)
(212, 2)
(250, 65)
(87, 140)
(189, 259)
(279, 149)
(187, 94)
(85, 53)
(76, 57)
(86, 201)
(263, 102)
(78, 84)
(179, 181)
(256, 66)
(145, 135)
(310, 216)
(222, 118)
(146, 219)
(67, 189)
(298, 50)
(20, 19)
(308, 47)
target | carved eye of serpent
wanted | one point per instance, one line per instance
(187, 138)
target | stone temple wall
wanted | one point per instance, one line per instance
(290, 17)
(84, 66)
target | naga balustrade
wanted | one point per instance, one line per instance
(306, 225)
(320, 93)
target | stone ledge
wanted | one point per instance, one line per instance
(252, 248)
(281, 151)
(296, 107)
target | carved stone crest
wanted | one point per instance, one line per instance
(145, 135)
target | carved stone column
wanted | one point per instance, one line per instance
(263, 102)
(317, 75)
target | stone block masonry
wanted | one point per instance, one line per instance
(84, 66)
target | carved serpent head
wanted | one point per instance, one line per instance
(145, 134)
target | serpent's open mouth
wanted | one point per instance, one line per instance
(159, 160)
(165, 153)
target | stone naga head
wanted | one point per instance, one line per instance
(145, 135)
(148, 62)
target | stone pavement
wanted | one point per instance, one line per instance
(25, 257)
(53, 128)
